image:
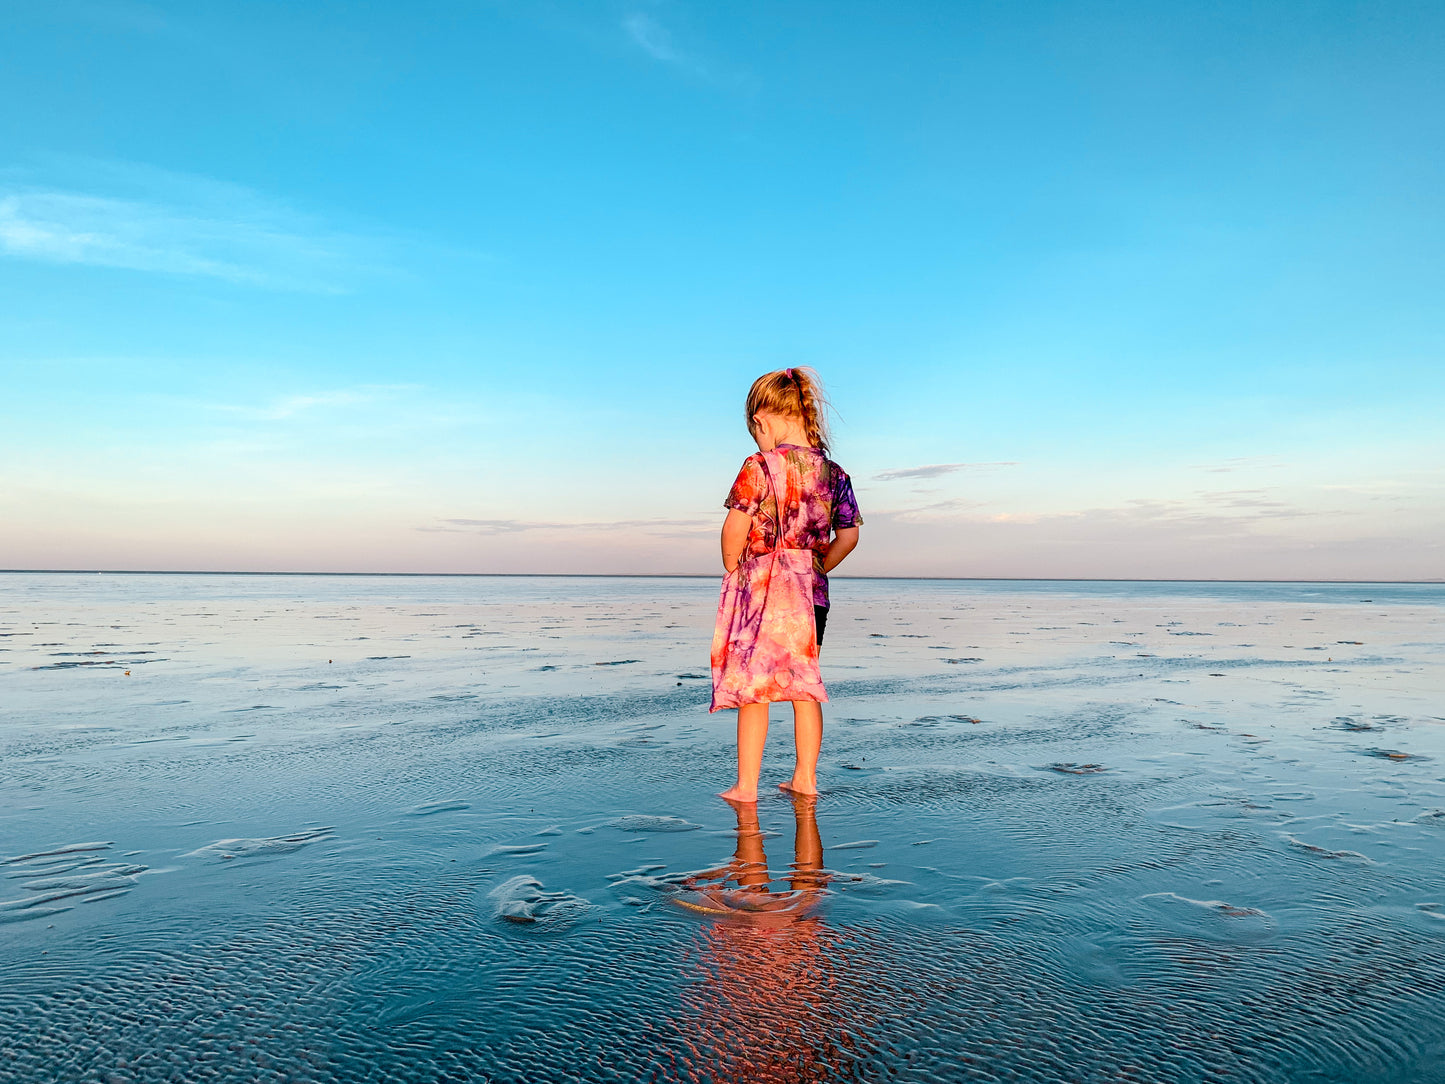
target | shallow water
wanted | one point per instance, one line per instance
(369, 828)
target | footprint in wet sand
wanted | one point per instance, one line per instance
(260, 848)
(1219, 907)
(1209, 918)
(1353, 725)
(426, 809)
(644, 886)
(516, 850)
(1325, 852)
(641, 822)
(523, 902)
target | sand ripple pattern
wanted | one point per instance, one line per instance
(55, 880)
(529, 878)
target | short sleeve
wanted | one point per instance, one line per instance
(749, 489)
(845, 505)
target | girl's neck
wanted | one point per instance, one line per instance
(778, 431)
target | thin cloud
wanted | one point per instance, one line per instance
(141, 219)
(489, 526)
(1147, 539)
(1237, 513)
(1255, 501)
(517, 526)
(937, 511)
(1383, 487)
(1241, 462)
(652, 38)
(1237, 516)
(289, 406)
(935, 470)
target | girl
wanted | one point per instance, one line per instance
(791, 519)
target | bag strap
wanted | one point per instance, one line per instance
(780, 494)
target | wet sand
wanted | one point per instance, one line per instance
(354, 828)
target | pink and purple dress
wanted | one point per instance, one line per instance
(765, 643)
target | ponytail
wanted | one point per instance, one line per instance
(795, 393)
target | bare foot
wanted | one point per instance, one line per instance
(797, 786)
(737, 794)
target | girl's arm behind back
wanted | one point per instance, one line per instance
(843, 544)
(735, 537)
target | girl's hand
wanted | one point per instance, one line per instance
(735, 537)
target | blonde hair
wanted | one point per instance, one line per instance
(792, 393)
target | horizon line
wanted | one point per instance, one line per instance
(680, 576)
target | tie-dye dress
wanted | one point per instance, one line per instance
(765, 645)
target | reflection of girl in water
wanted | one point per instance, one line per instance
(753, 898)
(770, 1007)
(791, 519)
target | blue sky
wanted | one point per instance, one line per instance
(1120, 289)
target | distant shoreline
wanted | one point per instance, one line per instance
(670, 576)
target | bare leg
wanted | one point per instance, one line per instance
(808, 873)
(750, 863)
(752, 736)
(808, 741)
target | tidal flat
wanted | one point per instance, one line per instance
(344, 828)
